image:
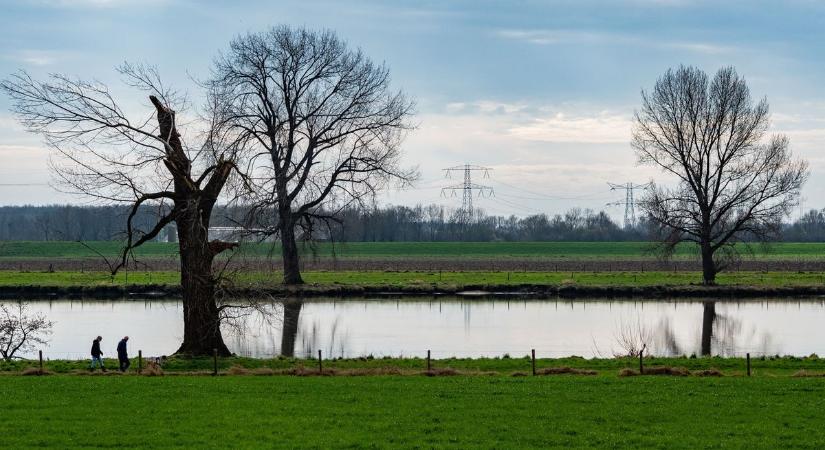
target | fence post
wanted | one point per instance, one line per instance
(140, 361)
(429, 366)
(40, 352)
(748, 359)
(533, 358)
(320, 363)
(641, 363)
(215, 362)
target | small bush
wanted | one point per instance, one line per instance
(29, 371)
(372, 371)
(565, 371)
(238, 370)
(806, 374)
(152, 370)
(446, 372)
(666, 371)
(304, 372)
(708, 373)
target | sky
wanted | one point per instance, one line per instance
(541, 92)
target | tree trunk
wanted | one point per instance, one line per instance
(708, 266)
(292, 312)
(708, 317)
(289, 250)
(201, 318)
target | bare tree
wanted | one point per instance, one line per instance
(21, 332)
(321, 127)
(108, 156)
(733, 182)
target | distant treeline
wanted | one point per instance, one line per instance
(393, 223)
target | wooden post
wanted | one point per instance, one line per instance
(140, 361)
(429, 366)
(533, 353)
(641, 363)
(215, 361)
(748, 359)
(40, 352)
(320, 363)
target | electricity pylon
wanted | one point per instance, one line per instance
(629, 202)
(467, 188)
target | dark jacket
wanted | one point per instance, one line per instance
(96, 352)
(121, 350)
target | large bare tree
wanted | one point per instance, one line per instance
(104, 154)
(733, 182)
(320, 123)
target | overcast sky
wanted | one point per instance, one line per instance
(542, 92)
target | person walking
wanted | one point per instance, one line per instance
(123, 355)
(97, 354)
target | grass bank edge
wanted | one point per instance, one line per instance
(762, 365)
(450, 280)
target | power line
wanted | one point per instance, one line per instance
(467, 188)
(629, 202)
(550, 197)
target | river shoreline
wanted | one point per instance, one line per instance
(481, 291)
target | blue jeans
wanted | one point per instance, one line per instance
(95, 361)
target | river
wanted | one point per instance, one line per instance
(455, 327)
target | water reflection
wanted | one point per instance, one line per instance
(708, 317)
(292, 313)
(458, 327)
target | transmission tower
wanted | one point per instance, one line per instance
(467, 187)
(629, 202)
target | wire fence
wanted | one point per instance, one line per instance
(448, 353)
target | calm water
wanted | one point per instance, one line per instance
(455, 327)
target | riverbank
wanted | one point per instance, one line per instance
(509, 365)
(147, 284)
(412, 411)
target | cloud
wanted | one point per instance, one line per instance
(599, 129)
(90, 3)
(559, 36)
(39, 57)
(486, 107)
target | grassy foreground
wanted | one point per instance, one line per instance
(384, 411)
(434, 279)
(19, 250)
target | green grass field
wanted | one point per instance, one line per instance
(423, 279)
(389, 250)
(413, 411)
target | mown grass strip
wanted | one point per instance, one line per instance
(391, 411)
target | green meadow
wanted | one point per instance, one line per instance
(411, 411)
(16, 250)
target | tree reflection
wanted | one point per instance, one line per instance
(721, 334)
(729, 336)
(292, 312)
(708, 317)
